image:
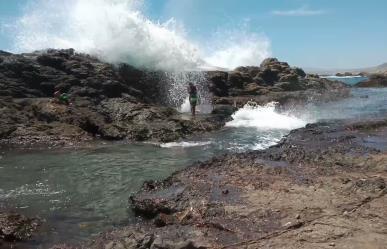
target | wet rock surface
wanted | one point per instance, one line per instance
(40, 121)
(323, 186)
(15, 227)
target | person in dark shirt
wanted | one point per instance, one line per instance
(193, 97)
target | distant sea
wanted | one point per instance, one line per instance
(349, 80)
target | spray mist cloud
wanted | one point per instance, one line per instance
(117, 32)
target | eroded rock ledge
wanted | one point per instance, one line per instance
(324, 186)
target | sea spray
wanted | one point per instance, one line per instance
(234, 48)
(118, 32)
(177, 85)
(265, 118)
(114, 30)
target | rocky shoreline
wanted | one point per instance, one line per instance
(323, 186)
(119, 102)
(374, 80)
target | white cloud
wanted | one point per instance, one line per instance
(303, 11)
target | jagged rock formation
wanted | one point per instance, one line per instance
(121, 102)
(271, 76)
(109, 102)
(272, 81)
(39, 74)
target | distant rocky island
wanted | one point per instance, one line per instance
(377, 76)
(380, 69)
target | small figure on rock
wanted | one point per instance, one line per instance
(252, 104)
(193, 97)
(62, 98)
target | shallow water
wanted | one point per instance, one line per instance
(349, 80)
(83, 192)
(364, 103)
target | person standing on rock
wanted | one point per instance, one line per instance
(62, 98)
(193, 97)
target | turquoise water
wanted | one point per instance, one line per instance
(85, 191)
(348, 79)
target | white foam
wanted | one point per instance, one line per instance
(39, 188)
(266, 142)
(265, 118)
(184, 144)
(186, 106)
(117, 32)
(342, 77)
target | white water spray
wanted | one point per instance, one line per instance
(177, 87)
(238, 48)
(116, 31)
(265, 118)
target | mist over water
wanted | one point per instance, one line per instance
(118, 32)
(238, 48)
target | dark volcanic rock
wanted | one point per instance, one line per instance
(109, 102)
(40, 74)
(121, 102)
(271, 76)
(219, 83)
(15, 227)
(42, 121)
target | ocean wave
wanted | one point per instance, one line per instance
(265, 118)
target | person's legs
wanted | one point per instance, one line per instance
(193, 102)
(194, 110)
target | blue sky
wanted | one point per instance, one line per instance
(308, 33)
